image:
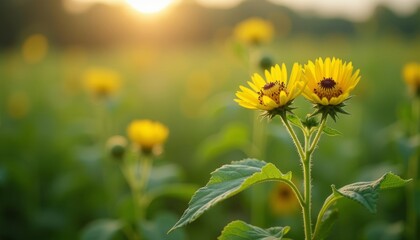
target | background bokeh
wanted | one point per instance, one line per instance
(182, 67)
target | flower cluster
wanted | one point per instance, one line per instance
(326, 83)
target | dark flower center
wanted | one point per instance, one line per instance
(327, 88)
(272, 90)
(284, 193)
(327, 83)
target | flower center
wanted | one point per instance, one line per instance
(284, 193)
(272, 90)
(327, 88)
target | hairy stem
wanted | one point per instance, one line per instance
(293, 136)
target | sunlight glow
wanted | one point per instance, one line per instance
(149, 6)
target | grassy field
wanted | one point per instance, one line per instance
(55, 176)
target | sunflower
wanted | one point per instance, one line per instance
(274, 94)
(282, 200)
(329, 83)
(411, 74)
(254, 31)
(148, 135)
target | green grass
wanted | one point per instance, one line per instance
(51, 178)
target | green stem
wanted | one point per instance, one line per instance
(293, 135)
(307, 178)
(130, 178)
(307, 195)
(297, 193)
(318, 135)
(412, 172)
(146, 167)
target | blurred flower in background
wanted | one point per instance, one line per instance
(411, 74)
(35, 48)
(254, 31)
(148, 135)
(102, 82)
(282, 200)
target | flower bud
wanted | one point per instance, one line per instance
(266, 62)
(117, 146)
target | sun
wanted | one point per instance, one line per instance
(149, 6)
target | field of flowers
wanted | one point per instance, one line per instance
(112, 144)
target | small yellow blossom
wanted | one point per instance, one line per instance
(282, 200)
(102, 82)
(273, 94)
(411, 74)
(34, 48)
(254, 31)
(148, 135)
(329, 82)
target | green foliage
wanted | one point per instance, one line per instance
(367, 193)
(238, 230)
(326, 224)
(295, 120)
(331, 131)
(227, 181)
(101, 229)
(156, 228)
(232, 136)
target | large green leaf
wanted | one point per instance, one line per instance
(101, 229)
(238, 230)
(227, 181)
(367, 193)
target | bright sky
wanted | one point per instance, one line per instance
(351, 9)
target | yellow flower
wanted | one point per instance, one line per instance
(411, 73)
(329, 82)
(282, 200)
(275, 93)
(254, 31)
(148, 135)
(101, 82)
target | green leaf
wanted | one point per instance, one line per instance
(331, 131)
(326, 224)
(227, 181)
(367, 193)
(102, 229)
(295, 120)
(238, 230)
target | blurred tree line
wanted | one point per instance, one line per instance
(103, 25)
